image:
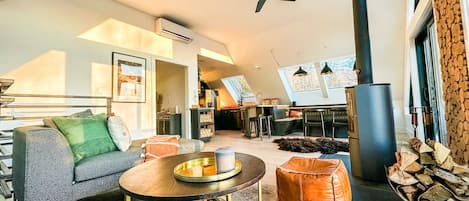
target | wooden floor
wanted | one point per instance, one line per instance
(265, 150)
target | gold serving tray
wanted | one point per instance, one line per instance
(203, 170)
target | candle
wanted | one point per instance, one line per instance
(224, 159)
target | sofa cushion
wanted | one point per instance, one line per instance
(106, 164)
(119, 132)
(87, 136)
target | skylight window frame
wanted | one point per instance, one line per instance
(234, 90)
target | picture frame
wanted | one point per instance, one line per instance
(128, 78)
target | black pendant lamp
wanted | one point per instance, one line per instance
(300, 72)
(326, 70)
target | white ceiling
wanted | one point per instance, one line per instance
(212, 70)
(283, 34)
(228, 21)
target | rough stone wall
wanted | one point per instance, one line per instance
(455, 76)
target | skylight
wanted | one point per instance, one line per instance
(343, 74)
(238, 88)
(308, 82)
(315, 88)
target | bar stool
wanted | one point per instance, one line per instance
(265, 120)
(314, 117)
(339, 119)
(252, 127)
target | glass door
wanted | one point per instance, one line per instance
(431, 84)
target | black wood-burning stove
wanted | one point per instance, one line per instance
(369, 109)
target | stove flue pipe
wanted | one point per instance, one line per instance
(362, 42)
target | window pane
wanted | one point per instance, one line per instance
(309, 82)
(343, 74)
(238, 87)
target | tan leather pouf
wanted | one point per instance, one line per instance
(311, 179)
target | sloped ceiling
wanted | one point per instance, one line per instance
(282, 34)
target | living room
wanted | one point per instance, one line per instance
(206, 79)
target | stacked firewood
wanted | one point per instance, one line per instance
(428, 172)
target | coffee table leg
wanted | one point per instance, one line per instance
(127, 198)
(259, 196)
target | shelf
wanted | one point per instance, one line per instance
(206, 123)
(6, 100)
(203, 124)
(5, 84)
(6, 118)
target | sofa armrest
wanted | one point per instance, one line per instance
(42, 164)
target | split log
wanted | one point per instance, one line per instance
(409, 192)
(448, 176)
(421, 187)
(413, 168)
(440, 153)
(401, 177)
(428, 171)
(431, 143)
(466, 179)
(436, 193)
(404, 159)
(429, 174)
(448, 164)
(460, 169)
(419, 146)
(426, 159)
(424, 179)
(456, 189)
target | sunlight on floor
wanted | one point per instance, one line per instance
(265, 150)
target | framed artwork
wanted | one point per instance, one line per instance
(128, 78)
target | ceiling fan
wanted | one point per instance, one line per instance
(261, 3)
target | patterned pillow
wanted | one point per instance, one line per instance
(119, 132)
(87, 136)
(161, 146)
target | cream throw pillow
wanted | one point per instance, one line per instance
(119, 132)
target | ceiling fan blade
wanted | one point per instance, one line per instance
(260, 3)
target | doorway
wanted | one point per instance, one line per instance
(429, 73)
(171, 100)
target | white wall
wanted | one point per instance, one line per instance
(387, 23)
(32, 29)
(336, 96)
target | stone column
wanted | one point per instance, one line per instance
(454, 69)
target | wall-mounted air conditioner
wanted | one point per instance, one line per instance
(173, 31)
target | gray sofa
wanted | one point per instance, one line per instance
(43, 167)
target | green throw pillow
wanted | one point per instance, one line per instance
(87, 136)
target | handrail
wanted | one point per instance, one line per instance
(56, 96)
(107, 105)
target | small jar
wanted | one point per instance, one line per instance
(224, 159)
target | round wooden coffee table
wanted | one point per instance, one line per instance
(154, 180)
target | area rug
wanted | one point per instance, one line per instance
(269, 192)
(307, 145)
